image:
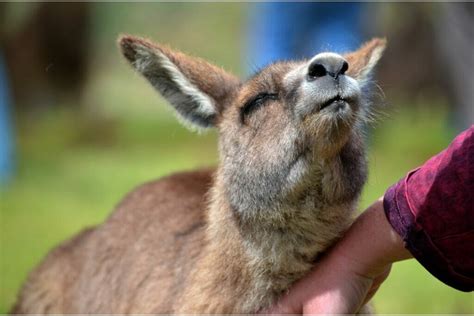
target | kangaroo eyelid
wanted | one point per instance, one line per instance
(255, 102)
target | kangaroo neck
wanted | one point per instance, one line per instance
(272, 255)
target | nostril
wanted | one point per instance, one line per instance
(344, 68)
(316, 70)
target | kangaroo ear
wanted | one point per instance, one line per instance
(196, 89)
(362, 61)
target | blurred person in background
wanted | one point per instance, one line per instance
(429, 57)
(286, 30)
(455, 42)
(46, 48)
(6, 132)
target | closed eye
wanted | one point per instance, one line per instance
(256, 102)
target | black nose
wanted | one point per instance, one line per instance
(332, 65)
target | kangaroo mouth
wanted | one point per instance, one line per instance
(335, 100)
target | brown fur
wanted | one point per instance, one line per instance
(230, 240)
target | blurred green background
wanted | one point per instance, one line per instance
(78, 156)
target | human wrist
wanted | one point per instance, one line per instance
(388, 244)
(371, 244)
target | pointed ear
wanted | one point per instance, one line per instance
(362, 61)
(196, 89)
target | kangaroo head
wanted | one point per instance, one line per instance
(278, 128)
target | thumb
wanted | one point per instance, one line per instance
(340, 296)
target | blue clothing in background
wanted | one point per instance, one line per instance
(6, 137)
(285, 30)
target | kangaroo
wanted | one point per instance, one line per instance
(232, 239)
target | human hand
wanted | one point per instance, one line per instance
(350, 273)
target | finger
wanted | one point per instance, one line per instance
(377, 283)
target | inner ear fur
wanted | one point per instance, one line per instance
(362, 61)
(197, 89)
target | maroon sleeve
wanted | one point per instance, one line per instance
(432, 210)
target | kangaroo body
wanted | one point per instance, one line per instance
(229, 240)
